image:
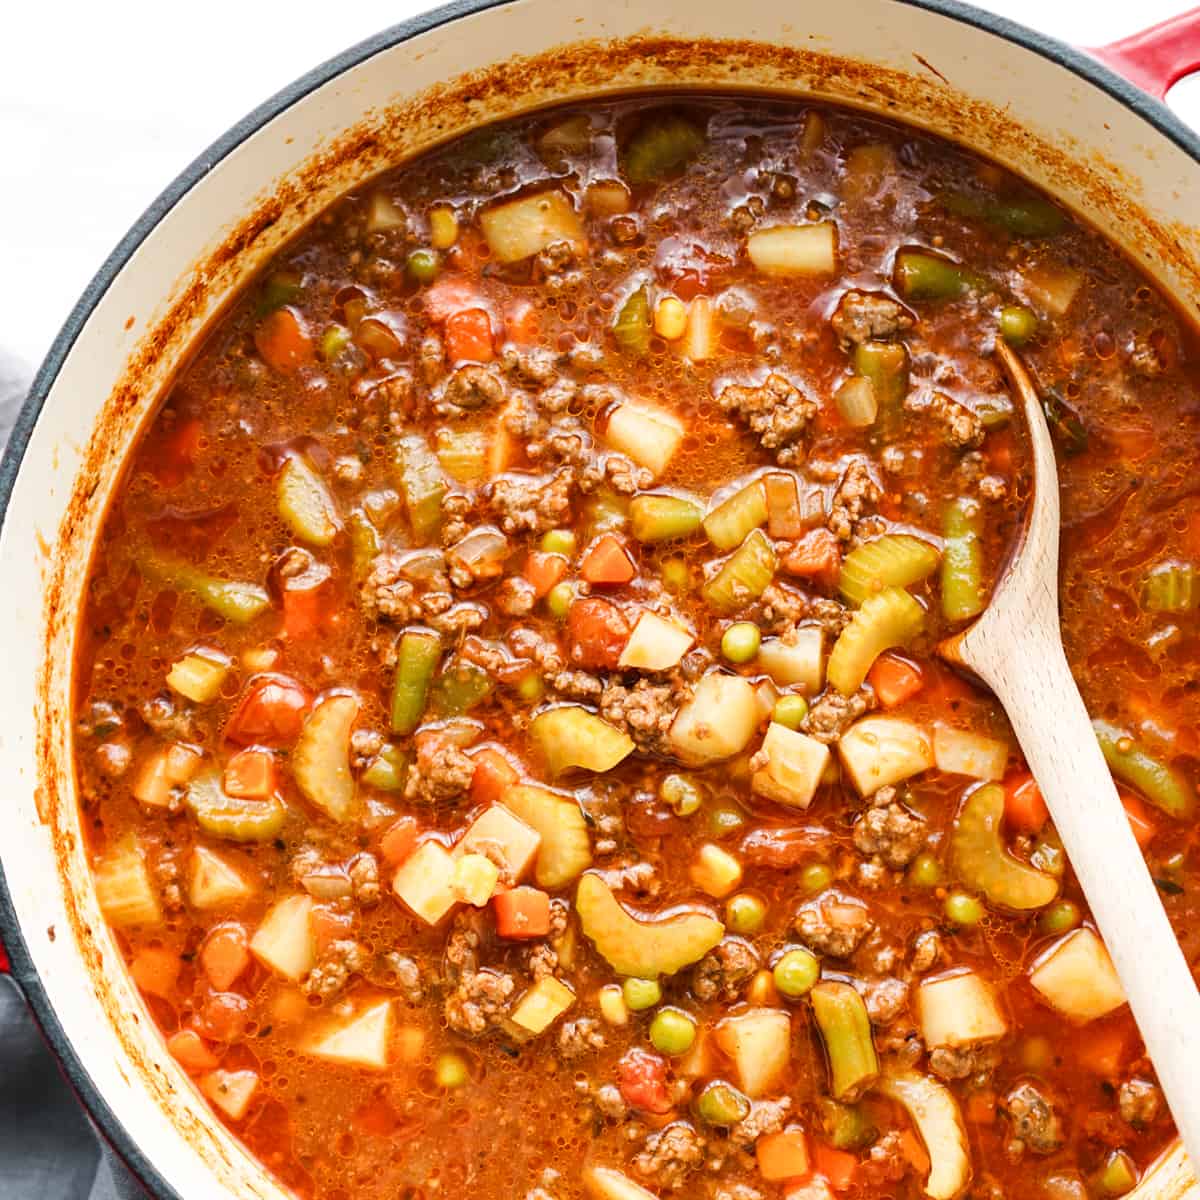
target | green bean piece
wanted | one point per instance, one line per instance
(460, 686)
(663, 144)
(419, 652)
(1132, 763)
(885, 364)
(632, 326)
(1171, 587)
(235, 601)
(1017, 324)
(282, 287)
(790, 711)
(672, 1031)
(847, 1126)
(920, 276)
(1031, 217)
(962, 560)
(663, 518)
(796, 973)
(841, 1016)
(422, 266)
(641, 994)
(722, 1104)
(387, 770)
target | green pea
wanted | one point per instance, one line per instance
(740, 642)
(790, 710)
(722, 1104)
(1060, 917)
(681, 794)
(816, 877)
(724, 819)
(745, 913)
(531, 688)
(333, 341)
(963, 909)
(1118, 1175)
(672, 1031)
(925, 871)
(676, 575)
(796, 972)
(450, 1070)
(422, 266)
(641, 994)
(559, 541)
(1017, 324)
(559, 599)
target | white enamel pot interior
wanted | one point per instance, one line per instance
(1046, 111)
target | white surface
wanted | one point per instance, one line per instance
(101, 105)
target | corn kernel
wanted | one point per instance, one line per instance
(612, 1004)
(716, 871)
(670, 318)
(474, 879)
(443, 228)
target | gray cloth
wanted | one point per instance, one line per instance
(48, 1148)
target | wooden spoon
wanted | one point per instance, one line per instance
(1015, 647)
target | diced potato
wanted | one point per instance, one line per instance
(164, 770)
(216, 882)
(656, 644)
(566, 849)
(607, 1183)
(305, 504)
(500, 832)
(795, 249)
(608, 198)
(715, 871)
(198, 675)
(543, 1004)
(959, 752)
(879, 751)
(443, 227)
(1077, 977)
(384, 213)
(795, 764)
(321, 760)
(475, 879)
(362, 1041)
(425, 882)
(571, 736)
(1052, 286)
(717, 722)
(796, 661)
(959, 1010)
(284, 941)
(124, 889)
(934, 1111)
(649, 436)
(526, 226)
(230, 1091)
(760, 1043)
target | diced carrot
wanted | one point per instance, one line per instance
(837, 1166)
(816, 556)
(783, 1155)
(155, 970)
(250, 774)
(894, 679)
(544, 570)
(1103, 1049)
(178, 452)
(164, 770)
(522, 912)
(1024, 808)
(191, 1052)
(469, 336)
(596, 634)
(521, 323)
(270, 712)
(607, 561)
(1144, 826)
(283, 341)
(225, 955)
(494, 774)
(449, 295)
(399, 840)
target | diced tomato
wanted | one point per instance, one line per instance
(283, 340)
(783, 1155)
(225, 955)
(1024, 809)
(178, 451)
(784, 846)
(250, 774)
(1104, 1049)
(1143, 824)
(544, 570)
(838, 1167)
(816, 556)
(305, 610)
(522, 912)
(155, 970)
(224, 1016)
(596, 634)
(493, 776)
(330, 924)
(894, 679)
(469, 336)
(191, 1052)
(400, 839)
(642, 1078)
(450, 294)
(913, 1150)
(521, 323)
(270, 712)
(607, 562)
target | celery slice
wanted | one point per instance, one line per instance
(305, 504)
(388, 770)
(459, 687)
(566, 850)
(743, 576)
(571, 736)
(420, 650)
(419, 477)
(231, 599)
(663, 518)
(1132, 763)
(321, 759)
(663, 144)
(962, 561)
(841, 1016)
(1171, 587)
(230, 817)
(729, 523)
(885, 365)
(890, 617)
(893, 560)
(632, 326)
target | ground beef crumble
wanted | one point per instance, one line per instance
(859, 489)
(440, 772)
(868, 316)
(833, 923)
(890, 831)
(831, 713)
(670, 1156)
(1139, 1102)
(645, 711)
(724, 970)
(342, 959)
(776, 410)
(961, 428)
(529, 503)
(1035, 1124)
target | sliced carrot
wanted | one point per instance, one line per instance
(449, 295)
(894, 679)
(607, 561)
(191, 1052)
(1144, 826)
(493, 776)
(155, 970)
(1103, 1050)
(283, 341)
(250, 774)
(816, 556)
(522, 912)
(399, 841)
(783, 1155)
(544, 570)
(469, 336)
(1024, 808)
(521, 323)
(225, 955)
(837, 1166)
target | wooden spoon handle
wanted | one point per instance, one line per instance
(1034, 683)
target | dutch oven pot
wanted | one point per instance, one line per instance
(1053, 114)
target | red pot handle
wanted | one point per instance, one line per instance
(1159, 57)
(3, 960)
